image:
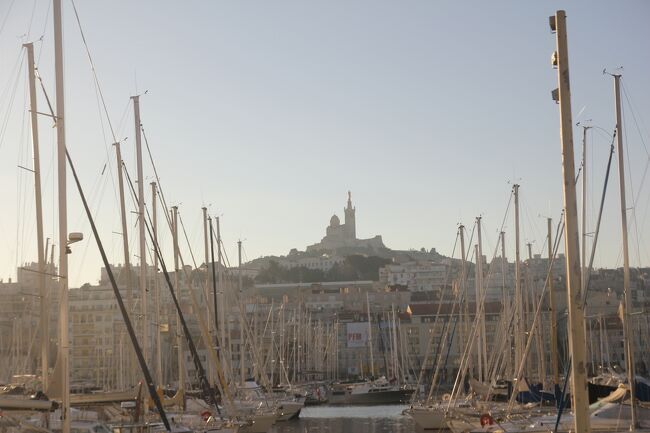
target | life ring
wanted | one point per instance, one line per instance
(486, 419)
(206, 414)
(446, 397)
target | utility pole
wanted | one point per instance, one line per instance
(577, 338)
(45, 333)
(629, 347)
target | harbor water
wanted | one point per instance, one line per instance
(349, 419)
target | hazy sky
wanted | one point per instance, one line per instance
(269, 112)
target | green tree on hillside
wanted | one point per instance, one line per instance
(354, 268)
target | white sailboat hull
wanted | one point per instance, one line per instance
(288, 410)
(260, 423)
(428, 418)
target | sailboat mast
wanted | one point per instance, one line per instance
(372, 358)
(222, 315)
(552, 312)
(64, 343)
(464, 309)
(141, 224)
(477, 317)
(125, 233)
(130, 363)
(577, 339)
(584, 207)
(206, 259)
(242, 338)
(206, 291)
(539, 327)
(482, 338)
(518, 304)
(45, 337)
(629, 348)
(506, 303)
(156, 286)
(179, 339)
(214, 285)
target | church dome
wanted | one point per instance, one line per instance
(335, 221)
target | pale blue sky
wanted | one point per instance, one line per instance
(270, 111)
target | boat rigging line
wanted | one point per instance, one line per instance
(98, 88)
(561, 403)
(443, 336)
(129, 327)
(208, 390)
(465, 360)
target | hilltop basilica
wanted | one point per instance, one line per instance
(340, 237)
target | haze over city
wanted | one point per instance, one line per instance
(269, 113)
(324, 216)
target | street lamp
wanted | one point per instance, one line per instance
(73, 238)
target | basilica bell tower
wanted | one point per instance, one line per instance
(350, 222)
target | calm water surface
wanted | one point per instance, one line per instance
(349, 419)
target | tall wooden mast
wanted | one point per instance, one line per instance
(64, 340)
(518, 304)
(222, 290)
(130, 359)
(480, 298)
(370, 348)
(44, 309)
(577, 340)
(552, 312)
(179, 338)
(629, 347)
(242, 338)
(584, 206)
(141, 227)
(156, 286)
(206, 287)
